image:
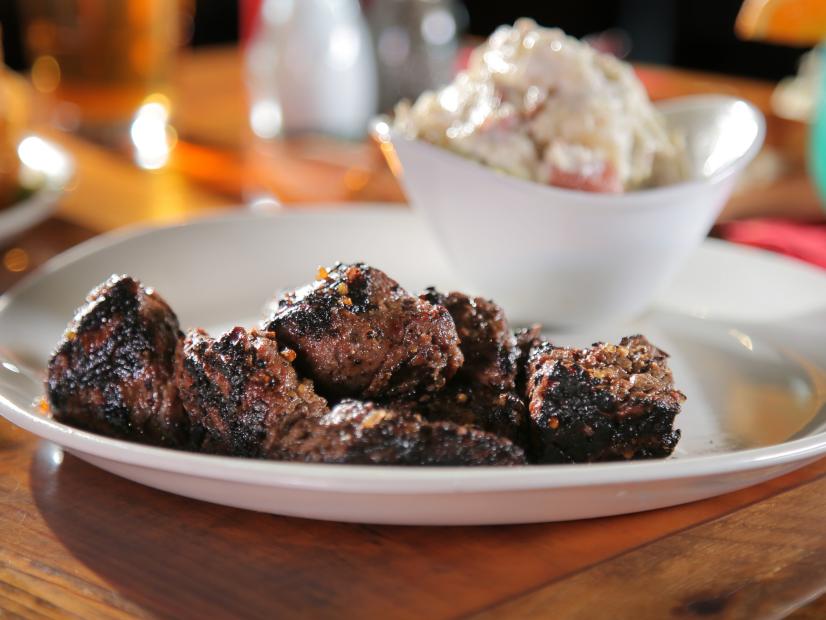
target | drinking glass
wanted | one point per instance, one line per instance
(8, 141)
(100, 59)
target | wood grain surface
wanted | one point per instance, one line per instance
(82, 540)
(77, 542)
(762, 561)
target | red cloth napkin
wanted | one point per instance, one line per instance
(803, 240)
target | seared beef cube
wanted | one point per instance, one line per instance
(366, 433)
(600, 404)
(494, 356)
(359, 334)
(236, 390)
(113, 371)
(502, 413)
(487, 343)
(482, 393)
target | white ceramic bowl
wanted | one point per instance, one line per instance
(572, 256)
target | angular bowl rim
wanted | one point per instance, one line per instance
(653, 197)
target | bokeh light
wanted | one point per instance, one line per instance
(438, 27)
(151, 134)
(45, 74)
(16, 260)
(39, 156)
(266, 118)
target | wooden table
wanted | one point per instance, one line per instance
(78, 542)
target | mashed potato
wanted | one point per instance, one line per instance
(540, 105)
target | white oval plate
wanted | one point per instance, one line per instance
(746, 331)
(46, 167)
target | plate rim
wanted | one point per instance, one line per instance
(110, 238)
(645, 199)
(382, 479)
(129, 232)
(385, 479)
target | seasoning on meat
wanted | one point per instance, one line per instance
(236, 388)
(112, 371)
(605, 403)
(359, 334)
(502, 413)
(485, 339)
(366, 433)
(441, 380)
(482, 394)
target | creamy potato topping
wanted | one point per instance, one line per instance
(538, 104)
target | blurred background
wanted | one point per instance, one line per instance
(695, 34)
(162, 109)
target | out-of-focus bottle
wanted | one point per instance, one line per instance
(416, 43)
(310, 68)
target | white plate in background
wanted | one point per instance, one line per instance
(46, 170)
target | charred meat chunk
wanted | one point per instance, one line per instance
(365, 433)
(608, 402)
(487, 343)
(113, 371)
(358, 334)
(482, 393)
(237, 388)
(502, 413)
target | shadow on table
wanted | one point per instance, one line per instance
(176, 557)
(180, 558)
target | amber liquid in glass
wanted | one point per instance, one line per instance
(103, 56)
(9, 162)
